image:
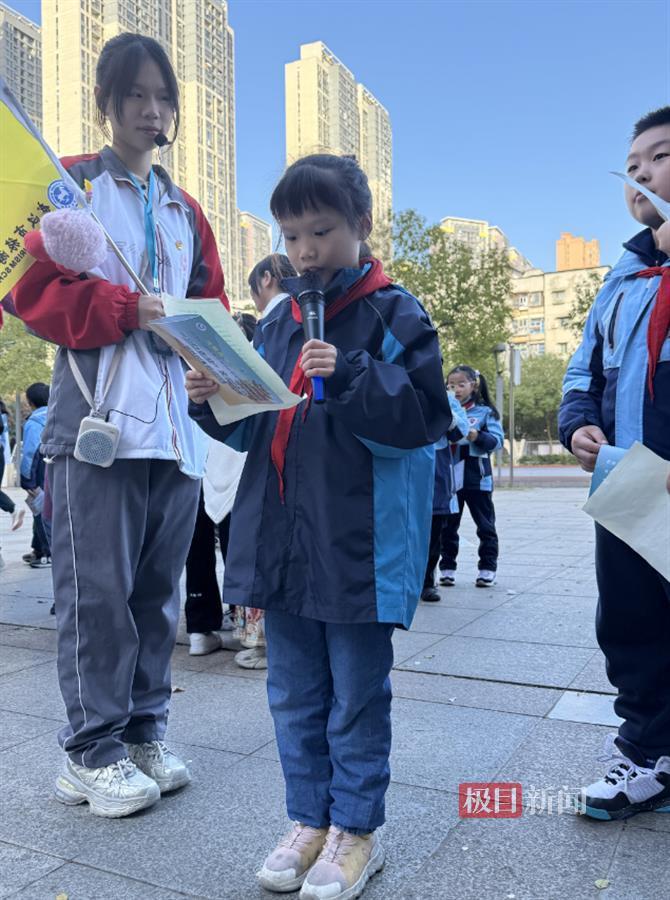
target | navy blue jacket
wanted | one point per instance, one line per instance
(475, 456)
(606, 380)
(350, 543)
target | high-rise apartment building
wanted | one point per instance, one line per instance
(21, 60)
(576, 253)
(328, 112)
(255, 244)
(375, 155)
(541, 306)
(200, 43)
(479, 235)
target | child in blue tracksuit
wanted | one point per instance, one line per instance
(474, 476)
(445, 497)
(617, 391)
(32, 472)
(331, 523)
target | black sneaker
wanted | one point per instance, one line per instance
(430, 595)
(29, 558)
(626, 789)
(447, 577)
(41, 562)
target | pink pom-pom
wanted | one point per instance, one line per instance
(73, 239)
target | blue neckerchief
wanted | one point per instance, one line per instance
(342, 280)
(149, 226)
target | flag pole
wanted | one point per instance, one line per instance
(119, 255)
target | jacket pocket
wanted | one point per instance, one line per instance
(611, 328)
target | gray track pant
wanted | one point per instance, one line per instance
(120, 539)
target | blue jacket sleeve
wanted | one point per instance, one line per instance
(397, 403)
(490, 437)
(583, 384)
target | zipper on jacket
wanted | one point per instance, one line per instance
(612, 325)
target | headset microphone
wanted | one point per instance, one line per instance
(161, 139)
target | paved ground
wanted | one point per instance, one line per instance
(499, 685)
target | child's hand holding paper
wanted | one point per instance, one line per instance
(200, 387)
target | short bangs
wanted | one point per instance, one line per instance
(322, 180)
(120, 60)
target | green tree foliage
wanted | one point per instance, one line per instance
(537, 398)
(586, 289)
(465, 291)
(24, 359)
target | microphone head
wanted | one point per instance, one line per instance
(303, 285)
(161, 139)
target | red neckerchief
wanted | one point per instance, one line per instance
(373, 280)
(659, 321)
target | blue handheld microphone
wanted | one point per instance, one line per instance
(308, 291)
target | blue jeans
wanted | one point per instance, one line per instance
(330, 697)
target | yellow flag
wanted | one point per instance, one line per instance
(32, 183)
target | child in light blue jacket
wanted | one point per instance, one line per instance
(474, 475)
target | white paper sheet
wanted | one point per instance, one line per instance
(634, 504)
(662, 206)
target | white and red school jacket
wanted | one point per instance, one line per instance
(93, 314)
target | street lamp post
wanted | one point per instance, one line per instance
(499, 353)
(514, 380)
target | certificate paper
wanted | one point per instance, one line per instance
(634, 504)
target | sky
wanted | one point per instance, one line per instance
(514, 112)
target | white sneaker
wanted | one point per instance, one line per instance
(485, 578)
(157, 761)
(286, 868)
(202, 644)
(626, 789)
(344, 866)
(448, 577)
(113, 791)
(252, 658)
(229, 641)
